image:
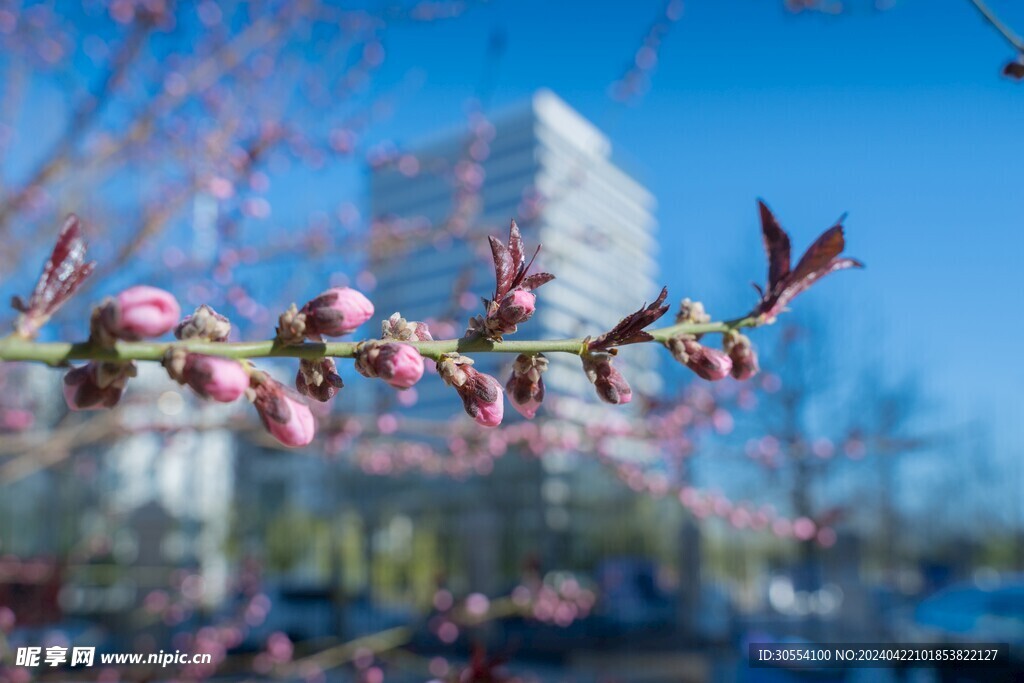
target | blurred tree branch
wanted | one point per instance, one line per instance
(1015, 68)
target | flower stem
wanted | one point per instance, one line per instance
(14, 348)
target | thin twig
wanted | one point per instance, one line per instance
(84, 114)
(1016, 41)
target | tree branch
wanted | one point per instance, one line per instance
(14, 348)
(1016, 41)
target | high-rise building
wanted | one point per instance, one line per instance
(546, 166)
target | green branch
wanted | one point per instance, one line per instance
(14, 348)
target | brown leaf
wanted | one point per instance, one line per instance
(1014, 70)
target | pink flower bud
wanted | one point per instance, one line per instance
(400, 365)
(525, 386)
(337, 312)
(489, 413)
(504, 315)
(318, 379)
(741, 353)
(710, 364)
(96, 385)
(220, 379)
(142, 311)
(517, 307)
(611, 386)
(288, 419)
(480, 393)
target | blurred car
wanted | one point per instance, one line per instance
(973, 613)
(632, 599)
(302, 612)
(306, 612)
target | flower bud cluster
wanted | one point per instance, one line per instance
(144, 312)
(219, 379)
(505, 315)
(334, 313)
(513, 301)
(134, 314)
(706, 362)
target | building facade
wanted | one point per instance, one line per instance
(546, 166)
(551, 170)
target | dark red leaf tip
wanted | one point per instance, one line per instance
(63, 273)
(630, 330)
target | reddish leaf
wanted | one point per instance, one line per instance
(829, 245)
(630, 330)
(534, 281)
(776, 243)
(831, 267)
(515, 246)
(818, 261)
(504, 270)
(510, 274)
(63, 273)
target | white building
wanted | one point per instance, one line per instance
(553, 171)
(593, 220)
